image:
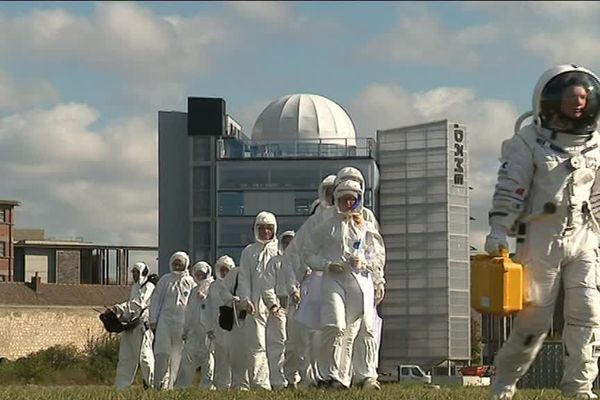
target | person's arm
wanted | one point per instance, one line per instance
(157, 300)
(509, 201)
(269, 282)
(244, 290)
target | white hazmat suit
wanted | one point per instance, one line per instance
(220, 338)
(253, 263)
(348, 249)
(276, 297)
(167, 316)
(302, 346)
(543, 197)
(197, 347)
(136, 343)
(238, 351)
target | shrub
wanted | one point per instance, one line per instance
(102, 357)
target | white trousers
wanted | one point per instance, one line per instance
(255, 327)
(196, 353)
(135, 348)
(548, 260)
(168, 346)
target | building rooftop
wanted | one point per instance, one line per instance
(52, 294)
(10, 202)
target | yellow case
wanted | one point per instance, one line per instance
(496, 285)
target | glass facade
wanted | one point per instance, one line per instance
(424, 213)
(286, 188)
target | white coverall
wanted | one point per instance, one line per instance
(361, 347)
(276, 296)
(253, 263)
(167, 314)
(136, 344)
(238, 351)
(303, 344)
(219, 338)
(347, 295)
(542, 195)
(196, 349)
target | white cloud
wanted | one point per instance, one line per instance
(152, 54)
(21, 94)
(78, 181)
(422, 39)
(489, 122)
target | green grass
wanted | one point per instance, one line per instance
(389, 392)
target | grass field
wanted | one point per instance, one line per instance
(389, 392)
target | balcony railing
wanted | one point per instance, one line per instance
(234, 149)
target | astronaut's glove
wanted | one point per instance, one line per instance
(336, 267)
(496, 241)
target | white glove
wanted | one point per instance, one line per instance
(247, 305)
(379, 293)
(278, 312)
(295, 296)
(496, 241)
(336, 267)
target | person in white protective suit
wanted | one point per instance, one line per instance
(167, 315)
(219, 338)
(136, 343)
(542, 197)
(303, 328)
(196, 349)
(276, 296)
(238, 351)
(361, 347)
(348, 248)
(253, 263)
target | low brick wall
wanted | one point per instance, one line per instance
(27, 329)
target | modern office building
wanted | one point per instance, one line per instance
(213, 180)
(424, 214)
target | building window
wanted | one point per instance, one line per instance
(2, 216)
(2, 249)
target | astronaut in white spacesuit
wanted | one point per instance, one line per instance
(167, 315)
(542, 197)
(196, 349)
(348, 248)
(135, 347)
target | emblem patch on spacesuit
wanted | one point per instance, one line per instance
(520, 192)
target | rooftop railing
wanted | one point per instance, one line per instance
(233, 149)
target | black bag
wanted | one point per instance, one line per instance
(113, 325)
(226, 319)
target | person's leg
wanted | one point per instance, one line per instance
(581, 334)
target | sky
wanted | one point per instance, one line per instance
(81, 84)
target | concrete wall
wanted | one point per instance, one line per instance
(68, 266)
(25, 329)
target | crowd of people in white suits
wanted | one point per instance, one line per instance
(300, 309)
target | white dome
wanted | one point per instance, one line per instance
(304, 116)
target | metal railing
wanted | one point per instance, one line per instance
(233, 149)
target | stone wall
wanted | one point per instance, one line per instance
(68, 266)
(27, 329)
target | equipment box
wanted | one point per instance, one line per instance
(496, 285)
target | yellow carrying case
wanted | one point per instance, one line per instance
(496, 285)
